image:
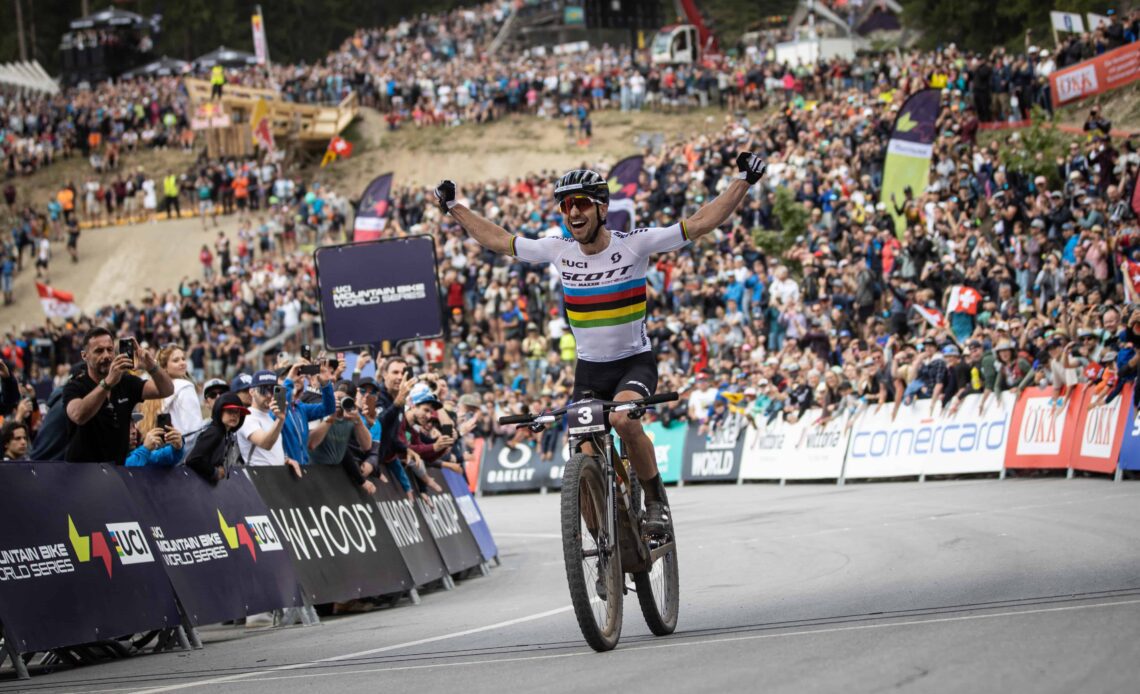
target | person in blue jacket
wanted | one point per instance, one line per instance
(295, 435)
(160, 447)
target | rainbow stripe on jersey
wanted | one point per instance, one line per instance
(605, 306)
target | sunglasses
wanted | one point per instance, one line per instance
(265, 390)
(580, 202)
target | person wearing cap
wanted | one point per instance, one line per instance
(413, 428)
(241, 385)
(1004, 369)
(260, 434)
(369, 391)
(211, 390)
(217, 450)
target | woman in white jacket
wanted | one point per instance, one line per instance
(184, 407)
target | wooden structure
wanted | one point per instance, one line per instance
(309, 125)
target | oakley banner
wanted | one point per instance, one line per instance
(339, 543)
(472, 514)
(713, 449)
(448, 526)
(517, 468)
(377, 291)
(221, 549)
(405, 524)
(77, 563)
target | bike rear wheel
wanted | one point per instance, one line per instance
(658, 590)
(588, 565)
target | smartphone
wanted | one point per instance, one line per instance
(447, 430)
(306, 352)
(334, 363)
(279, 397)
(127, 347)
(162, 420)
(310, 370)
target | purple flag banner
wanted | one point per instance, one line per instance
(624, 180)
(372, 212)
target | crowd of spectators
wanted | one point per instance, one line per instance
(810, 297)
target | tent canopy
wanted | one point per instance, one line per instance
(226, 57)
(27, 77)
(163, 67)
(110, 17)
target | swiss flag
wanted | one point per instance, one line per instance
(932, 315)
(434, 351)
(342, 147)
(1132, 278)
(963, 300)
(57, 303)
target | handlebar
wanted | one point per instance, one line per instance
(607, 405)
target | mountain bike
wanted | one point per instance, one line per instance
(602, 535)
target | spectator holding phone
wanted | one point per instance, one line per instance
(184, 407)
(161, 446)
(299, 414)
(330, 438)
(217, 450)
(100, 400)
(260, 435)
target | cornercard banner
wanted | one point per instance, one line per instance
(77, 563)
(801, 450)
(713, 449)
(469, 507)
(335, 534)
(221, 549)
(414, 540)
(922, 441)
(377, 291)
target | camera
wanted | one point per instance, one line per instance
(347, 404)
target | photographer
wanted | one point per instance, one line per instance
(329, 438)
(298, 414)
(260, 435)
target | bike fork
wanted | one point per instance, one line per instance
(611, 519)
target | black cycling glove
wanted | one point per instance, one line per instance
(751, 167)
(445, 196)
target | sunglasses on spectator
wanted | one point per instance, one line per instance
(265, 390)
(582, 202)
(211, 394)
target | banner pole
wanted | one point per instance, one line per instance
(17, 662)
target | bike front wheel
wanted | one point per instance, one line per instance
(593, 562)
(658, 591)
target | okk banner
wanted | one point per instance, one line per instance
(713, 449)
(1100, 432)
(76, 561)
(1042, 432)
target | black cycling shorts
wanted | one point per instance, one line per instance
(606, 379)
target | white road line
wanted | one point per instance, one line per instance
(632, 649)
(543, 536)
(361, 654)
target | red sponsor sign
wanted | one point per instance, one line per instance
(473, 461)
(1041, 432)
(1100, 74)
(1100, 431)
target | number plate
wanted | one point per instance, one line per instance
(586, 417)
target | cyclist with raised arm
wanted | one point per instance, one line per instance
(603, 282)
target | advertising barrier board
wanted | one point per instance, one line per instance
(1130, 443)
(516, 468)
(713, 450)
(77, 563)
(921, 440)
(801, 450)
(338, 540)
(1042, 432)
(469, 507)
(669, 445)
(1103, 73)
(218, 545)
(406, 526)
(448, 527)
(1100, 432)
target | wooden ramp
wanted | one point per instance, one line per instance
(309, 124)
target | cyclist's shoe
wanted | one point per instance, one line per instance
(658, 521)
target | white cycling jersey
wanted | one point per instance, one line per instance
(605, 292)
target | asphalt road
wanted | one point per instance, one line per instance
(972, 586)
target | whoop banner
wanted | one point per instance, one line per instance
(413, 539)
(377, 291)
(623, 181)
(713, 450)
(335, 534)
(219, 546)
(801, 450)
(909, 150)
(472, 514)
(373, 209)
(448, 526)
(76, 561)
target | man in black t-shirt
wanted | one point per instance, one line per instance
(99, 401)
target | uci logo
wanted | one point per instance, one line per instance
(126, 538)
